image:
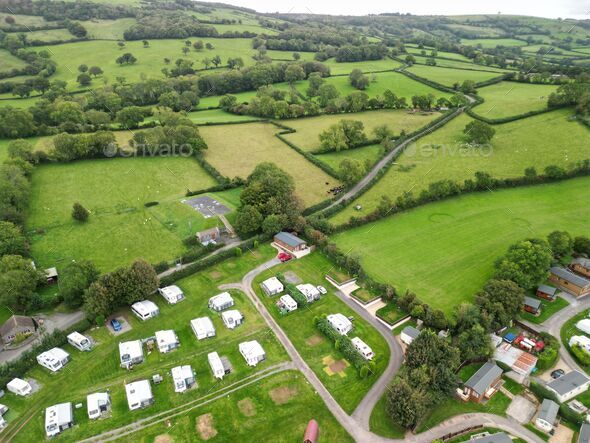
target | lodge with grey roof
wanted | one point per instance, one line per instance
(569, 385)
(483, 384)
(569, 281)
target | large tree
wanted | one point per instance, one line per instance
(18, 282)
(12, 240)
(74, 279)
(500, 301)
(526, 263)
(478, 132)
(561, 243)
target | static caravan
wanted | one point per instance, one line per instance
(221, 301)
(287, 303)
(183, 377)
(340, 323)
(79, 341)
(139, 394)
(252, 352)
(145, 309)
(167, 340)
(216, 365)
(172, 294)
(203, 327)
(547, 416)
(272, 286)
(232, 318)
(130, 353)
(310, 292)
(363, 348)
(58, 418)
(54, 359)
(19, 386)
(98, 404)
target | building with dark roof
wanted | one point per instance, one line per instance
(584, 436)
(291, 243)
(570, 282)
(547, 292)
(581, 266)
(409, 334)
(569, 385)
(484, 383)
(547, 416)
(532, 305)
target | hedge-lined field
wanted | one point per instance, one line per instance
(366, 154)
(108, 29)
(493, 42)
(120, 228)
(539, 141)
(445, 251)
(10, 62)
(385, 64)
(450, 76)
(50, 35)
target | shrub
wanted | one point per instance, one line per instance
(80, 213)
(100, 320)
(150, 204)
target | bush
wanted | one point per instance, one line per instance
(80, 213)
(150, 204)
(99, 320)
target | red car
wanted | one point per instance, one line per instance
(283, 256)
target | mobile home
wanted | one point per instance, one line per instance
(145, 309)
(58, 418)
(203, 327)
(139, 394)
(221, 301)
(98, 404)
(232, 318)
(363, 348)
(252, 352)
(340, 323)
(183, 377)
(19, 386)
(172, 294)
(130, 353)
(79, 341)
(54, 359)
(216, 365)
(167, 340)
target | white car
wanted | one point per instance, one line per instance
(322, 290)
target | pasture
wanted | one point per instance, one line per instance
(107, 29)
(506, 99)
(492, 42)
(309, 129)
(539, 141)
(22, 20)
(10, 62)
(50, 35)
(347, 387)
(235, 150)
(450, 76)
(445, 251)
(414, 50)
(216, 116)
(120, 227)
(458, 64)
(366, 155)
(339, 68)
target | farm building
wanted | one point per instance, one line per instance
(232, 318)
(79, 341)
(252, 352)
(51, 275)
(287, 303)
(547, 416)
(312, 432)
(19, 386)
(98, 404)
(498, 437)
(209, 236)
(16, 325)
(580, 340)
(221, 301)
(532, 305)
(139, 394)
(581, 266)
(547, 292)
(145, 309)
(310, 292)
(216, 365)
(409, 334)
(272, 286)
(584, 325)
(290, 242)
(167, 340)
(172, 294)
(130, 353)
(183, 377)
(570, 282)
(520, 361)
(340, 323)
(203, 327)
(584, 436)
(58, 418)
(483, 384)
(363, 348)
(569, 385)
(54, 359)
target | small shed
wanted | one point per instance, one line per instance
(547, 292)
(51, 275)
(221, 301)
(547, 416)
(232, 318)
(252, 352)
(167, 340)
(532, 305)
(272, 286)
(203, 327)
(409, 334)
(172, 294)
(484, 383)
(17, 325)
(340, 323)
(98, 404)
(183, 377)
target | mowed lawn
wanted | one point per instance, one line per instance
(120, 228)
(450, 76)
(309, 129)
(366, 155)
(235, 150)
(506, 99)
(445, 251)
(539, 141)
(346, 386)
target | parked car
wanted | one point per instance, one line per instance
(116, 325)
(322, 290)
(557, 373)
(283, 256)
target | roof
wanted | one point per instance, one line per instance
(182, 372)
(546, 289)
(53, 354)
(585, 262)
(273, 284)
(288, 301)
(232, 314)
(58, 414)
(93, 401)
(138, 391)
(166, 337)
(361, 345)
(202, 325)
(51, 272)
(548, 411)
(411, 331)
(215, 361)
(289, 239)
(498, 437)
(568, 382)
(221, 299)
(481, 381)
(208, 232)
(133, 349)
(145, 306)
(308, 290)
(16, 321)
(532, 302)
(339, 320)
(171, 291)
(18, 383)
(569, 276)
(584, 436)
(251, 349)
(584, 325)
(77, 337)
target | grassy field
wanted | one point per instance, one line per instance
(381, 424)
(413, 49)
(458, 64)
(120, 228)
(365, 66)
(449, 76)
(99, 369)
(445, 251)
(481, 31)
(22, 20)
(366, 155)
(107, 29)
(50, 35)
(537, 141)
(10, 62)
(505, 99)
(347, 387)
(235, 150)
(309, 129)
(492, 42)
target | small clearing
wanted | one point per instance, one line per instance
(282, 395)
(247, 407)
(205, 426)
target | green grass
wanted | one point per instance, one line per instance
(390, 313)
(99, 369)
(567, 331)
(245, 97)
(481, 31)
(445, 251)
(299, 327)
(539, 141)
(10, 62)
(467, 371)
(120, 228)
(365, 66)
(107, 29)
(548, 309)
(50, 35)
(531, 427)
(309, 129)
(22, 20)
(366, 155)
(414, 50)
(493, 42)
(216, 116)
(450, 76)
(458, 64)
(235, 150)
(512, 386)
(506, 99)
(380, 422)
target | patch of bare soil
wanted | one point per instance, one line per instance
(164, 438)
(282, 395)
(314, 340)
(205, 426)
(247, 407)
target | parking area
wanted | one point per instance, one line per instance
(207, 206)
(521, 409)
(125, 326)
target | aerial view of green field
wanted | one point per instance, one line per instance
(450, 76)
